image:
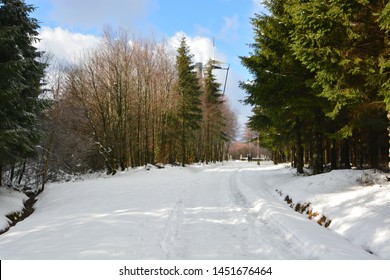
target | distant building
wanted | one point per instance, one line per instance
(199, 69)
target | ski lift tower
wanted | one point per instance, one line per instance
(221, 66)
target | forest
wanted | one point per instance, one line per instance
(319, 93)
(129, 102)
(321, 82)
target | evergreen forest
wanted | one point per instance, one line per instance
(321, 82)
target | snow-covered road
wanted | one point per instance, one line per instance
(213, 219)
(228, 211)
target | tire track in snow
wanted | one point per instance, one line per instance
(248, 235)
(259, 237)
(291, 249)
(241, 205)
(171, 233)
(171, 242)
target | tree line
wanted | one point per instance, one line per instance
(126, 103)
(144, 106)
(321, 82)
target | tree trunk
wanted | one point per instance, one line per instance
(299, 148)
(347, 163)
(293, 157)
(11, 177)
(333, 155)
(374, 163)
(183, 145)
(22, 173)
(388, 129)
(45, 171)
(318, 158)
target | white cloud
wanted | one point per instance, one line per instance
(200, 47)
(65, 45)
(202, 50)
(69, 47)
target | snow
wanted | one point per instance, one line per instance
(10, 201)
(357, 202)
(205, 212)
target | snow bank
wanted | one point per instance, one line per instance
(357, 202)
(10, 202)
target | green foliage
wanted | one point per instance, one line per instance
(214, 125)
(211, 86)
(285, 103)
(346, 45)
(189, 93)
(384, 58)
(21, 74)
(341, 42)
(384, 18)
(327, 61)
(188, 88)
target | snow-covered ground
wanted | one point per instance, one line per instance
(10, 201)
(222, 211)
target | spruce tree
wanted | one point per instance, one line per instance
(287, 111)
(384, 61)
(213, 120)
(189, 94)
(346, 44)
(20, 80)
(212, 87)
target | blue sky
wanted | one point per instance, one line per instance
(228, 21)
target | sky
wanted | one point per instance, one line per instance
(68, 27)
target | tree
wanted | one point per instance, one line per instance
(316, 92)
(284, 103)
(214, 122)
(352, 72)
(127, 91)
(384, 60)
(133, 103)
(21, 75)
(66, 145)
(189, 104)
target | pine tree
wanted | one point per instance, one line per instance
(212, 87)
(20, 80)
(345, 43)
(189, 93)
(213, 119)
(284, 104)
(384, 61)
